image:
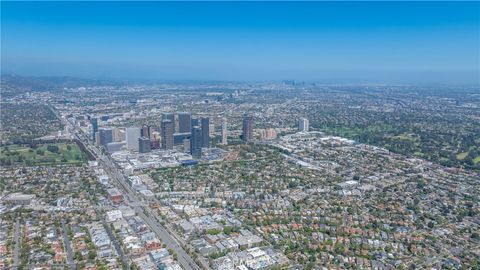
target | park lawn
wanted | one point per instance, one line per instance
(418, 153)
(462, 156)
(31, 157)
(406, 137)
(476, 160)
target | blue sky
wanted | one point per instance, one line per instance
(346, 42)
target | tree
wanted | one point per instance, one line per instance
(430, 225)
(214, 231)
(92, 255)
(53, 148)
(77, 256)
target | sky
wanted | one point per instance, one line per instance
(331, 42)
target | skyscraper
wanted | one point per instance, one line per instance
(224, 131)
(167, 128)
(155, 140)
(196, 142)
(269, 134)
(143, 144)
(97, 138)
(303, 125)
(146, 131)
(186, 145)
(94, 128)
(184, 121)
(194, 122)
(133, 133)
(247, 130)
(171, 117)
(205, 121)
(105, 136)
(119, 135)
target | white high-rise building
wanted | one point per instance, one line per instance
(119, 135)
(269, 134)
(303, 125)
(224, 131)
(133, 134)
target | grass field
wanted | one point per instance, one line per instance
(41, 154)
(462, 156)
(476, 160)
(406, 137)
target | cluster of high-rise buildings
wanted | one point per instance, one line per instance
(183, 129)
(176, 129)
(102, 136)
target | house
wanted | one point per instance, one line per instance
(114, 215)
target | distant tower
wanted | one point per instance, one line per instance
(146, 129)
(94, 123)
(247, 134)
(196, 142)
(118, 135)
(155, 140)
(186, 145)
(184, 121)
(97, 138)
(167, 134)
(171, 117)
(133, 133)
(143, 145)
(205, 121)
(269, 134)
(303, 125)
(105, 136)
(224, 131)
(194, 122)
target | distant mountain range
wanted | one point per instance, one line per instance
(47, 83)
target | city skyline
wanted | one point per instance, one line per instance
(343, 42)
(239, 135)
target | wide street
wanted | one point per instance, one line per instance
(144, 211)
(68, 247)
(16, 251)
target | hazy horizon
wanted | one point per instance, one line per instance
(342, 42)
